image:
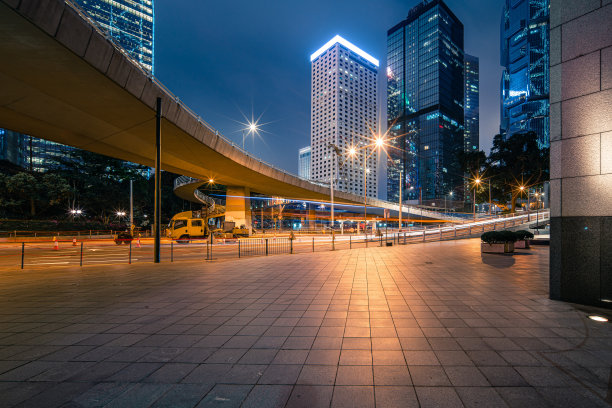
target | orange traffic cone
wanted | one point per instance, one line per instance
(74, 242)
(55, 244)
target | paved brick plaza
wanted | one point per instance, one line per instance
(432, 324)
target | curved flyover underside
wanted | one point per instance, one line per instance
(61, 79)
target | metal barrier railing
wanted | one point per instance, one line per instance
(79, 251)
(264, 246)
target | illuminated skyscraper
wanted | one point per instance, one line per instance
(425, 102)
(304, 162)
(344, 113)
(471, 104)
(130, 23)
(525, 56)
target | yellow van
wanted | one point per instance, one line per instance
(187, 225)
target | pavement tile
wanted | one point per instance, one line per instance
(353, 397)
(438, 397)
(310, 396)
(317, 375)
(480, 397)
(281, 374)
(226, 396)
(354, 375)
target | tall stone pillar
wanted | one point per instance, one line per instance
(581, 151)
(238, 206)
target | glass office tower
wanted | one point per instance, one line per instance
(304, 162)
(471, 138)
(525, 56)
(129, 22)
(425, 103)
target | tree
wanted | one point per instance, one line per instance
(516, 161)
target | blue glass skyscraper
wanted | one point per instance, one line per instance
(471, 104)
(425, 88)
(525, 57)
(130, 24)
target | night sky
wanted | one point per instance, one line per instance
(226, 58)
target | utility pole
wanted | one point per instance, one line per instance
(131, 206)
(490, 197)
(400, 201)
(157, 212)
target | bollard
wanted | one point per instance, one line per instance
(312, 244)
(171, 250)
(74, 242)
(470, 230)
(55, 244)
(81, 262)
(455, 232)
(290, 246)
(350, 242)
(138, 243)
(423, 234)
(238, 248)
(267, 246)
(22, 253)
(366, 239)
(440, 233)
(130, 254)
(380, 240)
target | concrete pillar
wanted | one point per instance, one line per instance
(312, 217)
(238, 206)
(581, 152)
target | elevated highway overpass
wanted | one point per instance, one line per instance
(64, 80)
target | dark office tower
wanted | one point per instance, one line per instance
(471, 138)
(130, 23)
(425, 103)
(525, 56)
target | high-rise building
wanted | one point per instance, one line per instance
(525, 44)
(425, 103)
(130, 24)
(304, 162)
(471, 138)
(344, 113)
(12, 147)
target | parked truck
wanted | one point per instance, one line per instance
(188, 225)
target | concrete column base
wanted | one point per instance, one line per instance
(238, 206)
(581, 260)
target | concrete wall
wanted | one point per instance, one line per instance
(581, 151)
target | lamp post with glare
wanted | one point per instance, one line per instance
(476, 184)
(399, 224)
(336, 169)
(252, 128)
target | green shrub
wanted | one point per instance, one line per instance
(498, 237)
(522, 235)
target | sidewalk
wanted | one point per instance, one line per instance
(433, 324)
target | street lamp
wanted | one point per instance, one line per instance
(476, 184)
(450, 193)
(252, 128)
(336, 168)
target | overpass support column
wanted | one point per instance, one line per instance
(238, 206)
(312, 217)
